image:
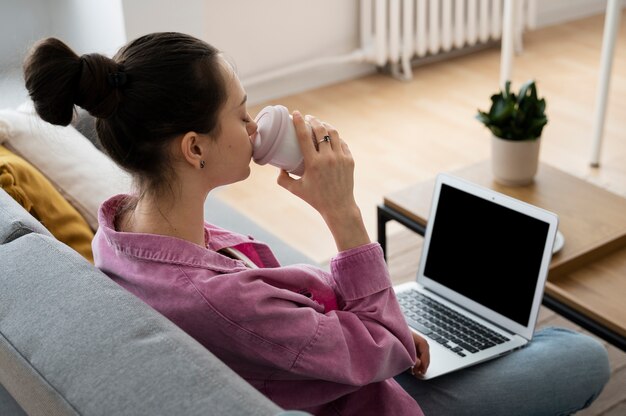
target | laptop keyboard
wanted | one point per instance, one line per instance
(449, 328)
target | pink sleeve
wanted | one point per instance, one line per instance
(366, 340)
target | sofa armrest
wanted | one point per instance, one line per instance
(15, 221)
(8, 405)
(74, 342)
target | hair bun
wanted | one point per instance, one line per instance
(99, 85)
(57, 79)
(117, 79)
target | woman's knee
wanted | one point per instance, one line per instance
(558, 372)
(583, 361)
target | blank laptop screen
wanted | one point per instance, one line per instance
(486, 252)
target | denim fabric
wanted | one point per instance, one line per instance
(559, 373)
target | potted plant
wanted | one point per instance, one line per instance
(516, 123)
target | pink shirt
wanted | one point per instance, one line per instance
(326, 343)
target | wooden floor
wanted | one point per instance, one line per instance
(403, 132)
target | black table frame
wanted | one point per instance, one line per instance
(386, 214)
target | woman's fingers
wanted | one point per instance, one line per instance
(423, 354)
(321, 134)
(323, 139)
(328, 181)
(285, 180)
(333, 134)
(305, 138)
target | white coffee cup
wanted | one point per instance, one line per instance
(276, 141)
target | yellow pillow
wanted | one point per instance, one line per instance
(35, 193)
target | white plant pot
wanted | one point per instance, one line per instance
(514, 162)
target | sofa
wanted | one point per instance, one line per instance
(73, 342)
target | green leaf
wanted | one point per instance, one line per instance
(540, 108)
(515, 116)
(496, 131)
(530, 84)
(507, 89)
(502, 110)
(483, 118)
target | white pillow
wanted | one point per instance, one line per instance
(85, 176)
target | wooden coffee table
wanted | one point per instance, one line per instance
(587, 278)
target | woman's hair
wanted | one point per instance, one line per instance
(155, 88)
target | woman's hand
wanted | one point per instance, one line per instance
(423, 355)
(328, 181)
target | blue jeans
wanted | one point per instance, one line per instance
(559, 373)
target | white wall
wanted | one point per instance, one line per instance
(146, 16)
(262, 35)
(22, 22)
(86, 25)
(551, 12)
(89, 25)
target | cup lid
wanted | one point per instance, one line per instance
(270, 121)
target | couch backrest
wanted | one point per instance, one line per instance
(15, 221)
(74, 342)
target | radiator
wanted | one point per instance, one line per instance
(396, 32)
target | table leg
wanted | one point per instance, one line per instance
(611, 24)
(381, 222)
(386, 214)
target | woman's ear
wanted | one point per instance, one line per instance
(193, 149)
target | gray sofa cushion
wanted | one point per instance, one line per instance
(86, 125)
(73, 342)
(8, 405)
(15, 221)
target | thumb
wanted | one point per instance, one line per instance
(285, 180)
(415, 369)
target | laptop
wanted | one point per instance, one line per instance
(481, 276)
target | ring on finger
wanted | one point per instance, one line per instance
(325, 139)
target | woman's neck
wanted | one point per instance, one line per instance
(179, 217)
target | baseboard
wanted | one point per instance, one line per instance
(306, 80)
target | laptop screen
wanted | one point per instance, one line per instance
(486, 252)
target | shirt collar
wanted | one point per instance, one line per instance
(168, 249)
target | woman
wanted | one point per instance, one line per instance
(172, 112)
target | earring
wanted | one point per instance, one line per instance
(202, 164)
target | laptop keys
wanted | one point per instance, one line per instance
(424, 330)
(445, 326)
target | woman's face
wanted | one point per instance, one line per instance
(231, 150)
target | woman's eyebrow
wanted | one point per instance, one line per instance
(245, 98)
